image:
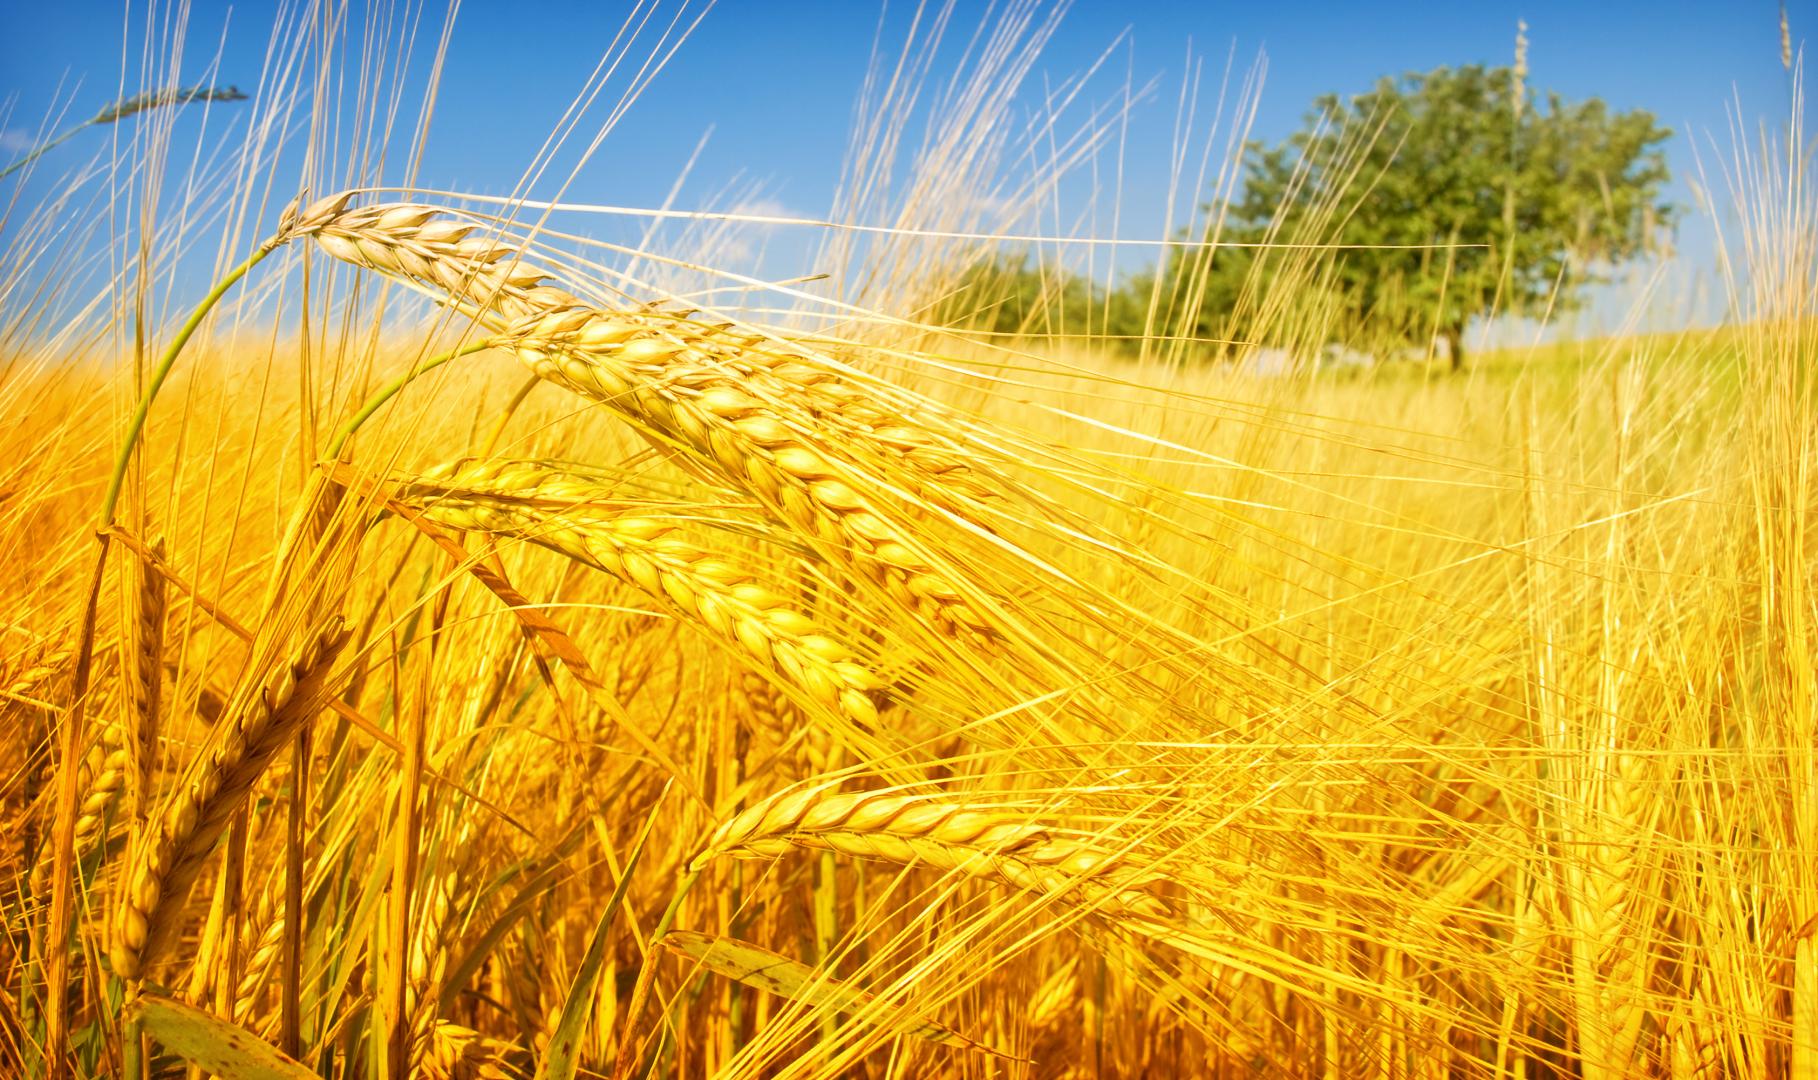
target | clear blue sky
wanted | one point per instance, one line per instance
(776, 81)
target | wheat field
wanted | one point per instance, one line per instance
(438, 644)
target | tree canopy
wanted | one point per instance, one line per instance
(1451, 194)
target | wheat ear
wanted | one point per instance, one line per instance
(214, 785)
(870, 417)
(28, 682)
(102, 778)
(935, 831)
(263, 941)
(142, 668)
(658, 379)
(428, 966)
(643, 551)
(496, 279)
(421, 243)
(694, 383)
(453, 1052)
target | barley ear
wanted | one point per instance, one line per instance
(194, 815)
(142, 669)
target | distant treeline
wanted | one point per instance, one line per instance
(1390, 220)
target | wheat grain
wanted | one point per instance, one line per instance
(142, 669)
(420, 243)
(658, 378)
(213, 786)
(931, 830)
(726, 600)
(710, 388)
(453, 1052)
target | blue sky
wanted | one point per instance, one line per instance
(775, 82)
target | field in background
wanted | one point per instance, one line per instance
(695, 694)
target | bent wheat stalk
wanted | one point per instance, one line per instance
(213, 786)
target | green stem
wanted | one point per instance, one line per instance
(390, 390)
(40, 151)
(165, 363)
(133, 1061)
(132, 1050)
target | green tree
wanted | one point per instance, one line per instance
(1462, 193)
(1014, 295)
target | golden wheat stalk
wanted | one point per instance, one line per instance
(214, 785)
(643, 551)
(932, 830)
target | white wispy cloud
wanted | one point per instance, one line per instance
(14, 140)
(743, 241)
(765, 207)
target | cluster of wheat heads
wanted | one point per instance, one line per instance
(755, 714)
(847, 484)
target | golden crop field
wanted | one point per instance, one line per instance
(456, 647)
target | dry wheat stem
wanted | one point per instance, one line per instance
(913, 827)
(194, 815)
(643, 551)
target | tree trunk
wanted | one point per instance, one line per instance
(1455, 346)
